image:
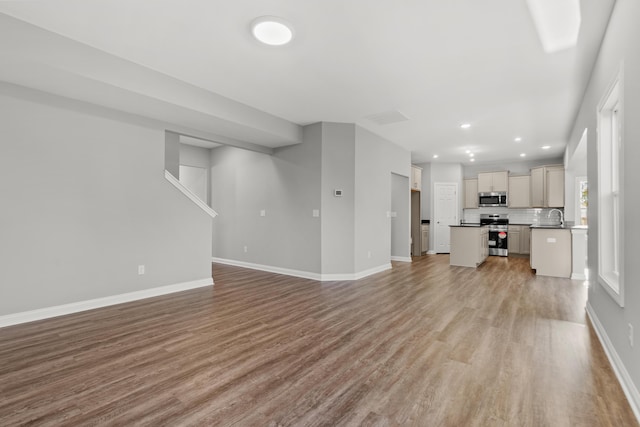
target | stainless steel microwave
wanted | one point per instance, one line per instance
(492, 199)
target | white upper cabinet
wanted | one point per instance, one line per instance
(547, 187)
(519, 191)
(493, 181)
(555, 187)
(470, 193)
(416, 178)
(537, 187)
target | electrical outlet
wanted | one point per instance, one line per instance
(369, 254)
(263, 212)
(245, 249)
(140, 269)
(630, 334)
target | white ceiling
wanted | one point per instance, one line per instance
(197, 142)
(440, 63)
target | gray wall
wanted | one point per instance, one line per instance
(575, 166)
(195, 156)
(400, 202)
(84, 202)
(620, 44)
(376, 159)
(287, 186)
(337, 216)
(425, 193)
(298, 179)
(199, 157)
(172, 153)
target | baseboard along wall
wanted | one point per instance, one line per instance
(76, 307)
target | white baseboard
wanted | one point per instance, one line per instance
(269, 268)
(356, 276)
(303, 274)
(577, 276)
(401, 258)
(629, 388)
(431, 252)
(76, 307)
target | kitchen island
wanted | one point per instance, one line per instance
(551, 250)
(469, 245)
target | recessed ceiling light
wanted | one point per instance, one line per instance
(468, 151)
(546, 147)
(522, 154)
(472, 160)
(272, 30)
(518, 139)
(465, 125)
(435, 156)
(557, 22)
(471, 154)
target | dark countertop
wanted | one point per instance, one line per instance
(468, 224)
(551, 227)
(560, 227)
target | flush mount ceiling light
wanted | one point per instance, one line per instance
(546, 147)
(272, 30)
(518, 139)
(557, 23)
(435, 156)
(465, 125)
(522, 154)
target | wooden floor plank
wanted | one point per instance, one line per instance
(422, 344)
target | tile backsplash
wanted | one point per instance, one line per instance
(538, 216)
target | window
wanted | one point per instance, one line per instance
(583, 200)
(610, 192)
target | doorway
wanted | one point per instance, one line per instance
(445, 213)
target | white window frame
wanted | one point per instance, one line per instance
(610, 192)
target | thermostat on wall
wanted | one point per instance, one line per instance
(337, 193)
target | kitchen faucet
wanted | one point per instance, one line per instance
(561, 215)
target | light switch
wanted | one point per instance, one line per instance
(263, 212)
(551, 239)
(316, 213)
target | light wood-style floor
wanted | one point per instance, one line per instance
(423, 344)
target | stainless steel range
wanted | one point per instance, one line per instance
(498, 225)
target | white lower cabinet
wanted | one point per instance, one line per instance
(519, 239)
(425, 238)
(469, 246)
(551, 251)
(513, 236)
(525, 239)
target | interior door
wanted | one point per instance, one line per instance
(445, 213)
